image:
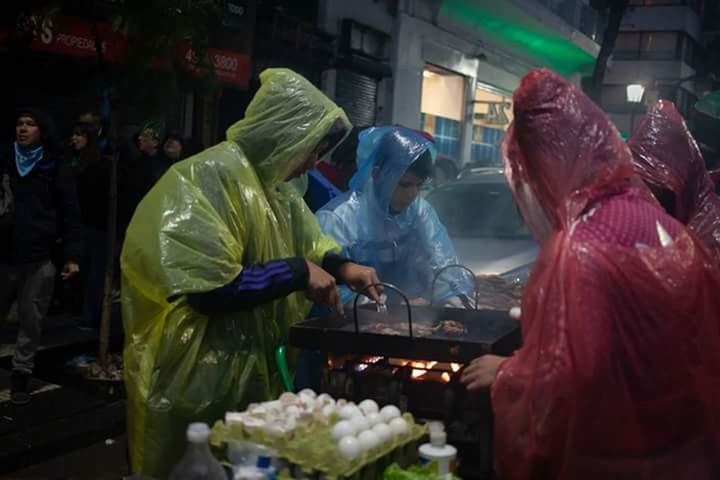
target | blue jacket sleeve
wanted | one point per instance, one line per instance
(260, 284)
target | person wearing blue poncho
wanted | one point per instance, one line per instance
(383, 223)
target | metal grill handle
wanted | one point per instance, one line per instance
(384, 285)
(472, 275)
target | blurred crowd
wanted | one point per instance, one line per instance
(55, 197)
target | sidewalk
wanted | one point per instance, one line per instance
(67, 412)
(104, 460)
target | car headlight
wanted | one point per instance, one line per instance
(518, 275)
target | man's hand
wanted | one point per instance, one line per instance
(321, 288)
(481, 372)
(69, 270)
(357, 277)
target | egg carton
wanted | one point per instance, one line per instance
(312, 453)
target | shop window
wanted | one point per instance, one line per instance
(647, 46)
(627, 45)
(443, 94)
(492, 117)
(659, 45)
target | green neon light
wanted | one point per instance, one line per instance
(510, 27)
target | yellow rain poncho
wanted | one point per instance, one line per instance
(207, 217)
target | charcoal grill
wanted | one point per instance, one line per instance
(487, 331)
(361, 365)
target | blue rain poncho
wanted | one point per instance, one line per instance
(406, 248)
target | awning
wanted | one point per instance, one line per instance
(517, 30)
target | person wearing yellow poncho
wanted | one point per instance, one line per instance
(220, 258)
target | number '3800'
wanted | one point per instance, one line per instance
(225, 63)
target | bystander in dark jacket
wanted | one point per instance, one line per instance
(43, 208)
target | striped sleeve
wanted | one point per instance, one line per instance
(254, 286)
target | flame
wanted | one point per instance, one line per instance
(445, 377)
(415, 374)
(455, 367)
(423, 365)
(360, 367)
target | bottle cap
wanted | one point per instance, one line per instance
(198, 432)
(263, 462)
(436, 427)
(438, 438)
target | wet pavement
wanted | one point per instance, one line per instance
(62, 433)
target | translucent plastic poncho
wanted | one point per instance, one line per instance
(666, 156)
(405, 248)
(207, 217)
(619, 373)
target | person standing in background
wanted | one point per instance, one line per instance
(330, 178)
(139, 173)
(92, 176)
(44, 203)
(174, 147)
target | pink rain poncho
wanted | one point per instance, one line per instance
(666, 156)
(619, 373)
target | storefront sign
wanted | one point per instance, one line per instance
(76, 37)
(230, 67)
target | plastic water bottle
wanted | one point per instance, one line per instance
(198, 462)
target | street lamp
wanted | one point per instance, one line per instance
(635, 93)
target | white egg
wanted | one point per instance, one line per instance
(324, 398)
(349, 411)
(383, 432)
(288, 398)
(307, 392)
(307, 403)
(292, 410)
(349, 447)
(328, 410)
(389, 412)
(368, 440)
(373, 419)
(368, 406)
(359, 422)
(343, 428)
(399, 426)
(234, 417)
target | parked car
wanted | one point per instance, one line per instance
(490, 237)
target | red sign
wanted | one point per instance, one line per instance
(230, 67)
(76, 37)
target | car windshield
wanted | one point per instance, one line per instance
(479, 210)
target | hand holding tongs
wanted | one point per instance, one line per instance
(382, 306)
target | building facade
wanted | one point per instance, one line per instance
(450, 67)
(660, 46)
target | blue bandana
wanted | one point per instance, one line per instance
(27, 158)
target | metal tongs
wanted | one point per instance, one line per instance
(381, 306)
(467, 302)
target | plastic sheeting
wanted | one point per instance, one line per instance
(405, 248)
(619, 373)
(207, 217)
(666, 156)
